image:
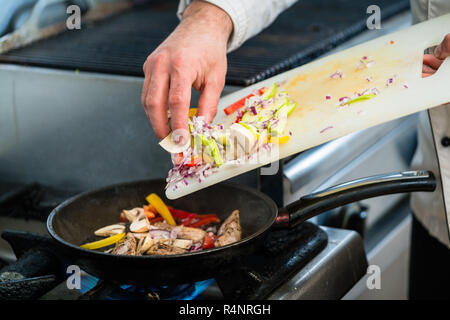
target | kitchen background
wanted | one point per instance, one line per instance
(71, 120)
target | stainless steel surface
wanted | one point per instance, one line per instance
(331, 273)
(391, 255)
(381, 149)
(317, 164)
(89, 132)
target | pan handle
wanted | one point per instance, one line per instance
(319, 202)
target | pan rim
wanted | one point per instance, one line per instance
(99, 254)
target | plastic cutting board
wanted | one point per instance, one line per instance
(317, 120)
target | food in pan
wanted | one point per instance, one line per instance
(259, 121)
(157, 229)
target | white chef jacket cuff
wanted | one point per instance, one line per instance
(238, 16)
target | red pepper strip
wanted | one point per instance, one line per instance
(209, 240)
(157, 219)
(178, 158)
(239, 104)
(179, 214)
(204, 221)
(194, 161)
(187, 221)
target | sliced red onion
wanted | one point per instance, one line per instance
(369, 79)
(253, 110)
(197, 246)
(405, 85)
(389, 82)
(328, 97)
(362, 63)
(174, 232)
(343, 100)
(325, 129)
(337, 75)
(157, 234)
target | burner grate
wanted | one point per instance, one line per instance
(121, 44)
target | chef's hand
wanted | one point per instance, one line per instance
(194, 55)
(432, 62)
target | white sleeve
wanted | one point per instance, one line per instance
(249, 16)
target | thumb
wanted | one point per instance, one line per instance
(442, 51)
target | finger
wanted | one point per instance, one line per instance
(156, 98)
(179, 100)
(209, 99)
(442, 51)
(147, 73)
(432, 61)
(427, 71)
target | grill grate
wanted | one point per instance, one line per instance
(121, 44)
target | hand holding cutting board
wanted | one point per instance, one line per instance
(391, 64)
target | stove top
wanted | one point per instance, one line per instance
(38, 269)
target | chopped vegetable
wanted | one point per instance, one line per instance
(192, 112)
(104, 242)
(205, 220)
(325, 129)
(240, 103)
(149, 211)
(161, 207)
(195, 160)
(279, 140)
(270, 92)
(210, 238)
(337, 75)
(360, 98)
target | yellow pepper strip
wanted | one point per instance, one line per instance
(160, 206)
(192, 112)
(279, 140)
(104, 242)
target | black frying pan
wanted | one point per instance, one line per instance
(75, 220)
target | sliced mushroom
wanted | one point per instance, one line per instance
(140, 225)
(134, 214)
(140, 236)
(182, 243)
(110, 230)
(144, 244)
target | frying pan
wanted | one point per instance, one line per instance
(75, 220)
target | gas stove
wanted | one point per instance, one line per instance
(39, 272)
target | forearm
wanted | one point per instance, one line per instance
(249, 17)
(204, 16)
